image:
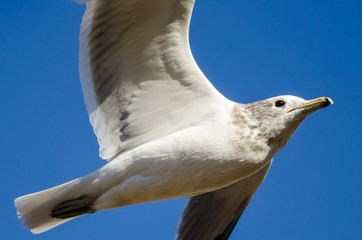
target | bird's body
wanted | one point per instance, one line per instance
(164, 129)
(131, 178)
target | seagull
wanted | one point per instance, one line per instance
(163, 128)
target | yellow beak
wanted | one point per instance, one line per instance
(315, 104)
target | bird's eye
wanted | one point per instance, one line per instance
(279, 103)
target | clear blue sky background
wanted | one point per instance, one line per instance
(250, 50)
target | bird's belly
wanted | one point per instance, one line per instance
(185, 164)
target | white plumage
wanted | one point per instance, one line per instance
(165, 130)
(135, 56)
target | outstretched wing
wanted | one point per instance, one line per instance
(139, 79)
(214, 215)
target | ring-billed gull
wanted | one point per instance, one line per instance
(165, 131)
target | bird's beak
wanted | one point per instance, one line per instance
(315, 104)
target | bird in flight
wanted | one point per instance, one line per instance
(165, 131)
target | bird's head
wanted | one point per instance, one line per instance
(278, 117)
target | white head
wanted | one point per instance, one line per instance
(278, 117)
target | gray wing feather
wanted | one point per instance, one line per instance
(213, 215)
(139, 79)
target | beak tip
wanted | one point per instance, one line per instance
(328, 101)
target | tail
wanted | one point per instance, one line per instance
(47, 209)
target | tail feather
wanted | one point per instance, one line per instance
(73, 207)
(35, 211)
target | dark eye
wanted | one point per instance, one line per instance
(279, 103)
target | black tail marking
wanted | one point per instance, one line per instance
(73, 207)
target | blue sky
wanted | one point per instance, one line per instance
(250, 50)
